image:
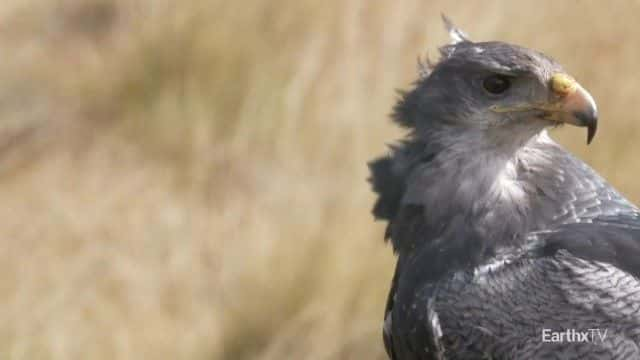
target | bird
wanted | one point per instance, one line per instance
(507, 245)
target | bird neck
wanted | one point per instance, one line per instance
(477, 193)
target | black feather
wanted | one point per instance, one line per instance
(388, 185)
(610, 239)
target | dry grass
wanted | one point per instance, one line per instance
(186, 180)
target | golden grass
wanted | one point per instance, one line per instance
(186, 180)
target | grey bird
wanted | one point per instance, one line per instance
(508, 247)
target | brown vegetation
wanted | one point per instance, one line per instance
(186, 180)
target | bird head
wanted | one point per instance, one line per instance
(495, 94)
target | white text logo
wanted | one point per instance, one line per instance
(573, 335)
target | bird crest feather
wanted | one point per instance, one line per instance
(456, 35)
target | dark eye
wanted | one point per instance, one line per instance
(496, 84)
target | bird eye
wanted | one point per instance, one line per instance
(496, 84)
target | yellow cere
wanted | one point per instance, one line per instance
(563, 84)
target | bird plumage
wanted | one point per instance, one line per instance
(500, 233)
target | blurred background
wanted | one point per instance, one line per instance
(187, 180)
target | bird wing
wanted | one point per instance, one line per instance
(587, 272)
(404, 224)
(612, 239)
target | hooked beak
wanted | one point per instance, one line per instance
(572, 105)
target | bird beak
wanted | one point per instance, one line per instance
(572, 104)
